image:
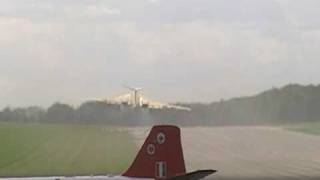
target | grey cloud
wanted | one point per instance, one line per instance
(262, 12)
(200, 50)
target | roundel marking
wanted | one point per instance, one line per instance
(151, 149)
(161, 138)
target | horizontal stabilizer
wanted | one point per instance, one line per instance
(194, 175)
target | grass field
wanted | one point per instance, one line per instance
(308, 128)
(43, 149)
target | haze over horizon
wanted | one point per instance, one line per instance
(179, 51)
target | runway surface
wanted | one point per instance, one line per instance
(249, 152)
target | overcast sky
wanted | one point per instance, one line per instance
(178, 50)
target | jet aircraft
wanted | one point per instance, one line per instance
(135, 98)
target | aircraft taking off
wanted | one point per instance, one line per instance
(160, 158)
(135, 98)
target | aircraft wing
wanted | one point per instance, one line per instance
(194, 175)
(121, 99)
(178, 107)
(160, 105)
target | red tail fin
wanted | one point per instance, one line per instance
(161, 155)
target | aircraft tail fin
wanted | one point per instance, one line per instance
(161, 155)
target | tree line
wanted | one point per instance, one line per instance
(92, 112)
(290, 104)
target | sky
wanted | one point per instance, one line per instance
(177, 50)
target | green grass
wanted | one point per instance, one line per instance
(308, 128)
(45, 150)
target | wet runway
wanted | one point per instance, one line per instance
(249, 152)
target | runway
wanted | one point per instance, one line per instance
(249, 152)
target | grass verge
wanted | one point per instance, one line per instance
(46, 150)
(308, 128)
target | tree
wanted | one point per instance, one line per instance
(60, 113)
